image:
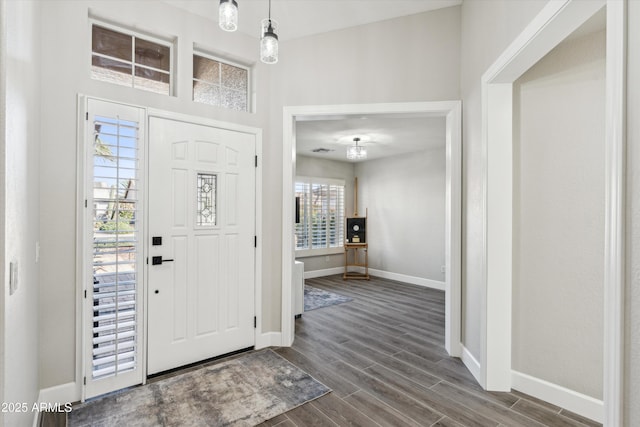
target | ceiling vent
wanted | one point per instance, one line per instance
(321, 150)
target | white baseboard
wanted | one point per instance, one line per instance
(557, 395)
(427, 283)
(61, 394)
(268, 339)
(322, 273)
(471, 363)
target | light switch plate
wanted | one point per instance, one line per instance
(13, 277)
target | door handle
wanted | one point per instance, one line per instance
(157, 260)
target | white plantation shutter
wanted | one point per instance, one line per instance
(302, 191)
(336, 216)
(319, 208)
(115, 246)
(321, 223)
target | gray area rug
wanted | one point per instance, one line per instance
(240, 392)
(317, 298)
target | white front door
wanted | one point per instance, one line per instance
(201, 243)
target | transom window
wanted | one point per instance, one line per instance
(220, 83)
(124, 58)
(320, 215)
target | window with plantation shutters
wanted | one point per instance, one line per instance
(115, 245)
(321, 214)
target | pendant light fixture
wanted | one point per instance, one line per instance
(356, 152)
(228, 15)
(269, 40)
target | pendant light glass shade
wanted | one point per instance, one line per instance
(356, 152)
(228, 15)
(269, 42)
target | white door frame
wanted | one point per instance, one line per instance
(452, 110)
(257, 132)
(78, 392)
(193, 349)
(557, 20)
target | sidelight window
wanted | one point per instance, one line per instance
(115, 245)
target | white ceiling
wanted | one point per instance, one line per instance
(382, 135)
(300, 18)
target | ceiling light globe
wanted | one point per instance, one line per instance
(228, 15)
(269, 42)
(356, 152)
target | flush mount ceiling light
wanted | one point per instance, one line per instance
(228, 15)
(269, 40)
(356, 152)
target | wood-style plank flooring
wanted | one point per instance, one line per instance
(383, 355)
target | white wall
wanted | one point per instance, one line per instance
(21, 226)
(324, 168)
(413, 58)
(487, 28)
(3, 81)
(405, 198)
(341, 66)
(632, 336)
(66, 52)
(558, 217)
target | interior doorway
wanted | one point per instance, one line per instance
(552, 25)
(451, 112)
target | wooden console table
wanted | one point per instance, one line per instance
(355, 247)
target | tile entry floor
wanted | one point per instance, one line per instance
(383, 355)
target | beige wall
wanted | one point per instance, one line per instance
(427, 57)
(338, 67)
(488, 27)
(558, 217)
(405, 197)
(632, 336)
(3, 73)
(58, 293)
(21, 229)
(413, 58)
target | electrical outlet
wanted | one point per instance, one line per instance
(327, 258)
(13, 277)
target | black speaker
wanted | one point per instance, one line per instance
(356, 230)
